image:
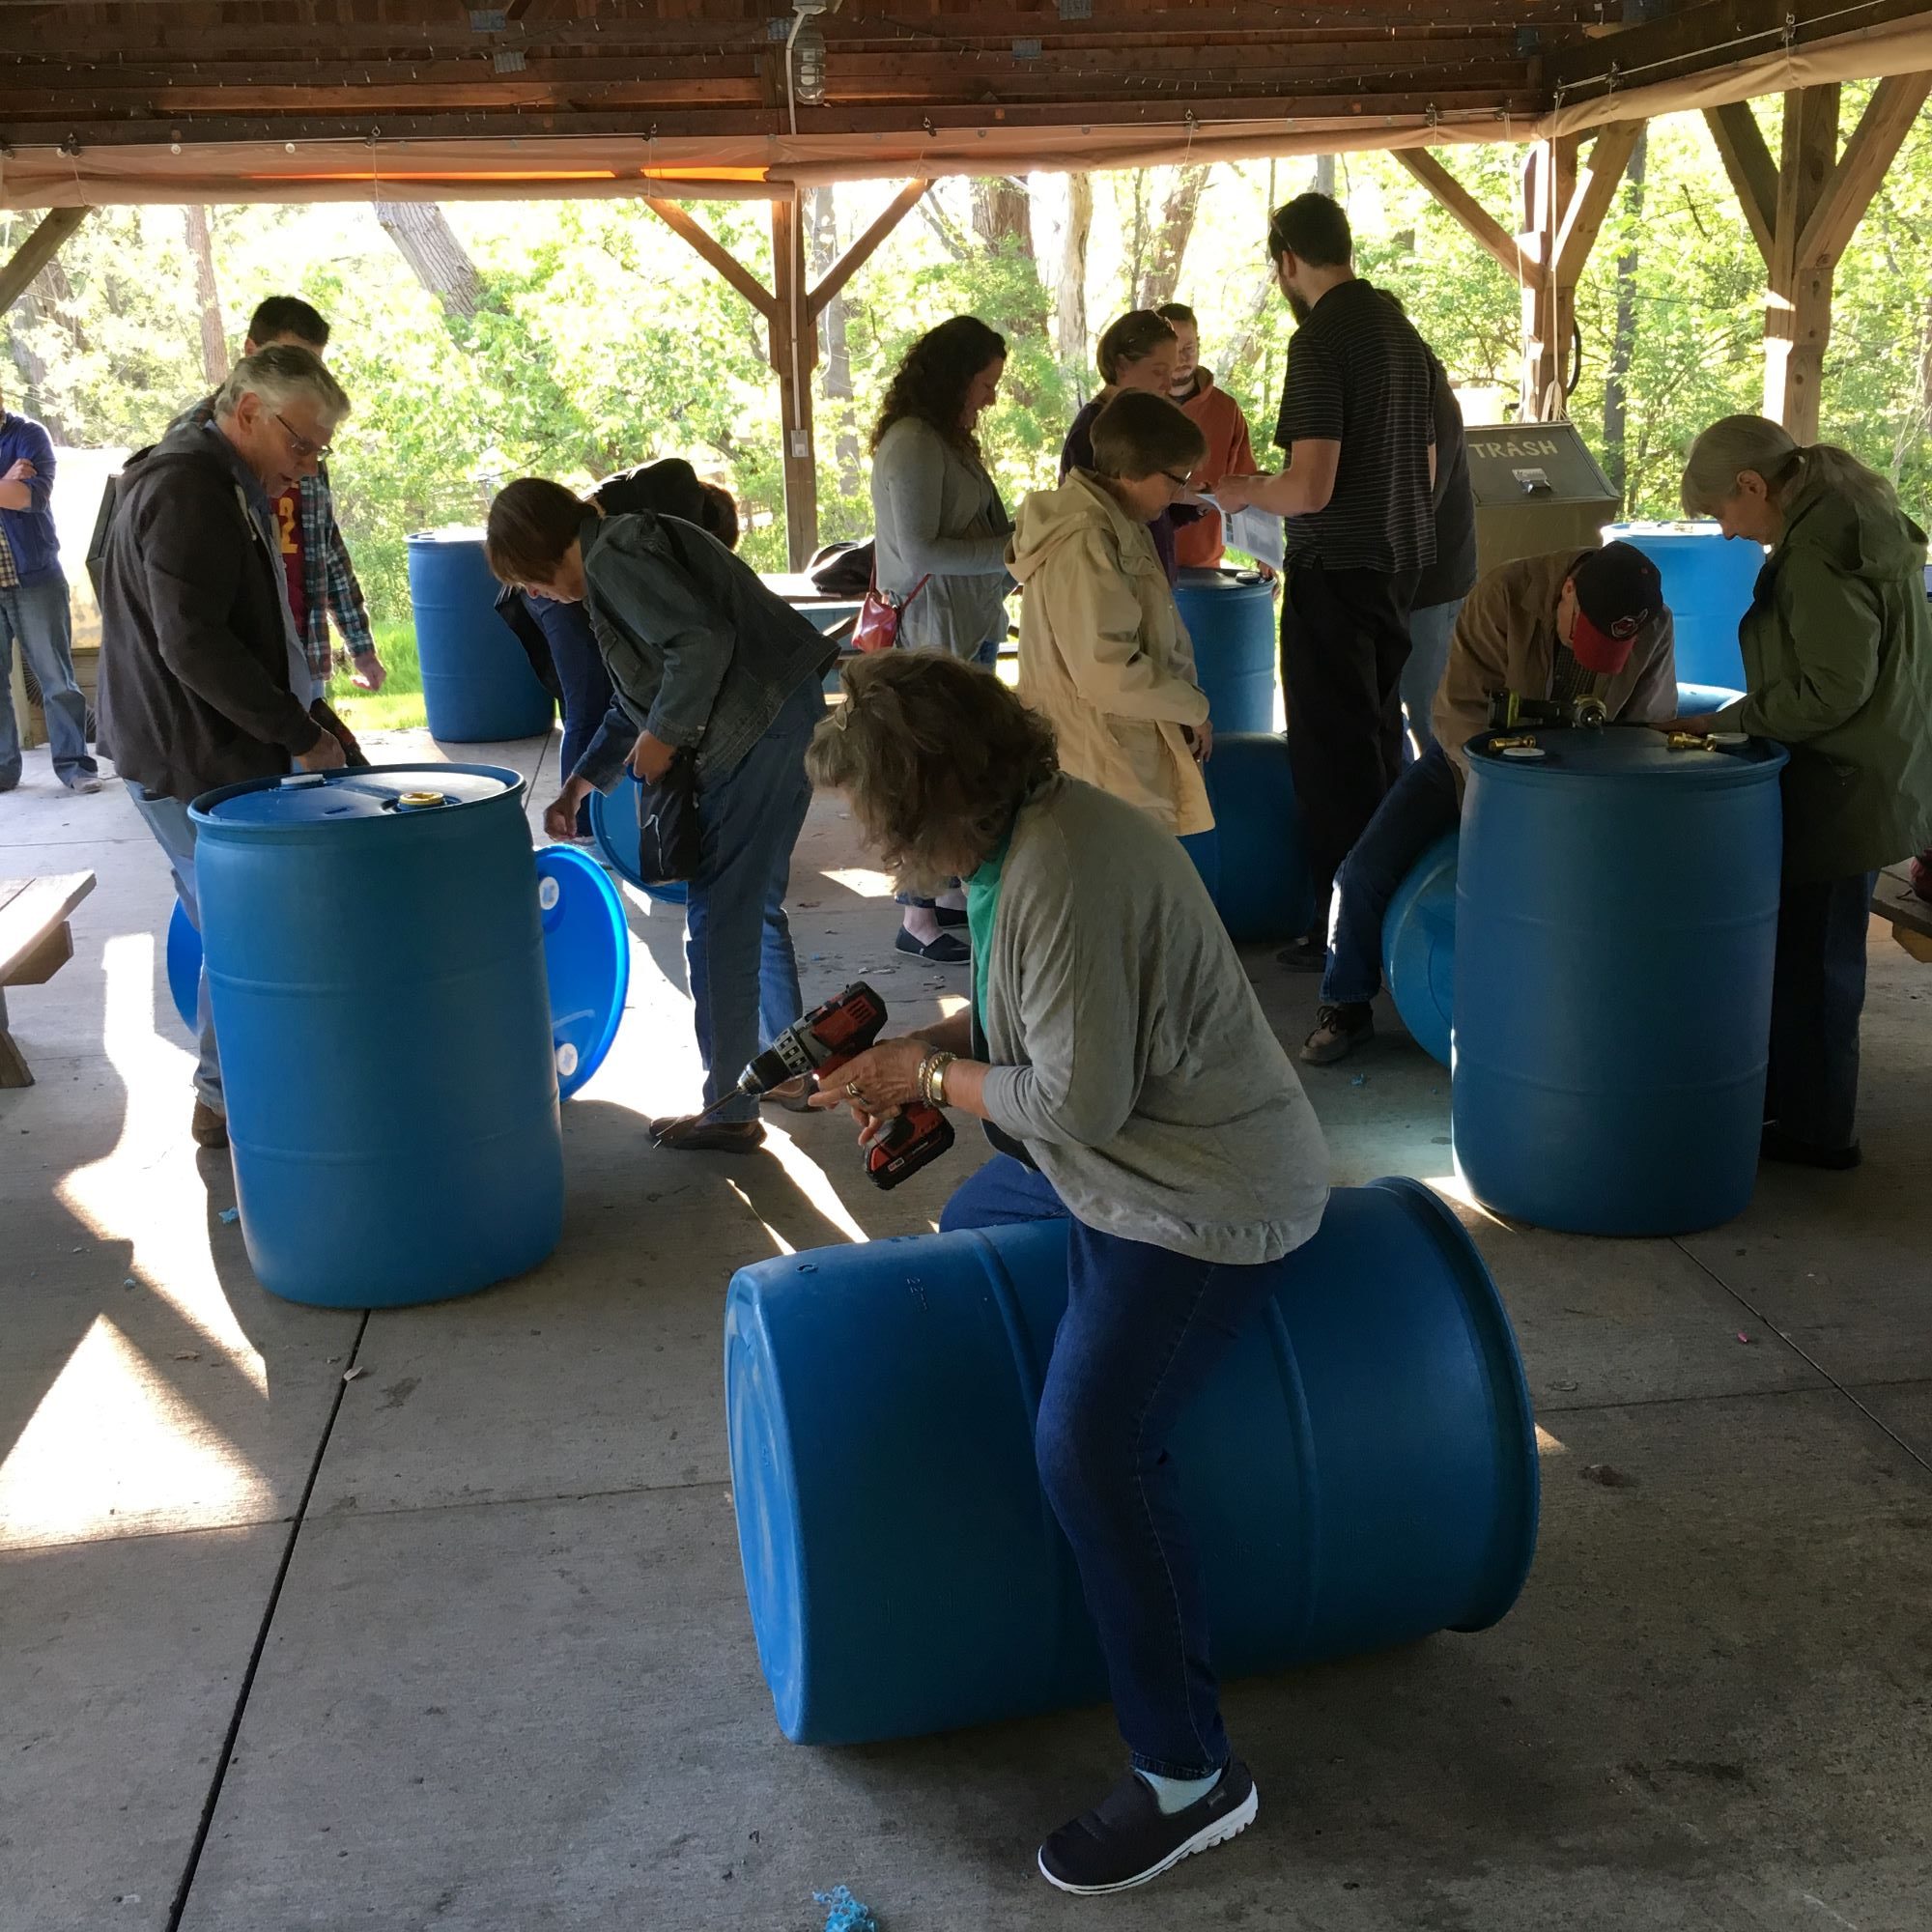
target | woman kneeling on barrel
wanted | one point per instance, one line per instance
(1121, 1064)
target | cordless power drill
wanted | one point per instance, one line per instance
(1511, 708)
(822, 1043)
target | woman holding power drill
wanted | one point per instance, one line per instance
(704, 660)
(1121, 1064)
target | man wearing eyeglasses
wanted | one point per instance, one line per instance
(315, 561)
(204, 680)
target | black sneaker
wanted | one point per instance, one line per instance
(1127, 1839)
(1307, 955)
(1777, 1144)
(1337, 1032)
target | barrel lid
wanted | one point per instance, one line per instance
(448, 533)
(1197, 577)
(378, 791)
(587, 958)
(1654, 531)
(613, 831)
(1622, 750)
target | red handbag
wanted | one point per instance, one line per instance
(877, 626)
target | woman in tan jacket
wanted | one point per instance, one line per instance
(1103, 652)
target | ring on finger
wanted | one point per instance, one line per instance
(852, 1091)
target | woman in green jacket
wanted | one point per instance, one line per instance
(1838, 650)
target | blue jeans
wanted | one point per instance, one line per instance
(737, 941)
(174, 830)
(586, 684)
(37, 616)
(1420, 807)
(1817, 993)
(1430, 630)
(1143, 1329)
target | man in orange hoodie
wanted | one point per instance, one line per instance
(1198, 546)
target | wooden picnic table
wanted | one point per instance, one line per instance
(36, 941)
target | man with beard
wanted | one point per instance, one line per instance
(1358, 419)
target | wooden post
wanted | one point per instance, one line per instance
(1564, 205)
(794, 355)
(792, 310)
(36, 251)
(1802, 214)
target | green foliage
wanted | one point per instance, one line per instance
(601, 340)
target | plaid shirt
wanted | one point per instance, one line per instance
(328, 581)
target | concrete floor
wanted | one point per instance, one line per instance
(462, 1643)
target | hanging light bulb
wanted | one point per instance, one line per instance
(807, 61)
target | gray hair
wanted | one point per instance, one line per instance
(1735, 445)
(281, 376)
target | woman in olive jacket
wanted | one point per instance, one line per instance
(1838, 651)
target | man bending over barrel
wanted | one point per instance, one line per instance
(1562, 627)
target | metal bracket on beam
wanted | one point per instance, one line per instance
(487, 20)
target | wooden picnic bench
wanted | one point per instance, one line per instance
(1910, 916)
(36, 941)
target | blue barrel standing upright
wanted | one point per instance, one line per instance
(1708, 583)
(1616, 917)
(376, 962)
(478, 687)
(1360, 1471)
(1229, 617)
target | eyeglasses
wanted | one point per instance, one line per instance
(1179, 482)
(303, 448)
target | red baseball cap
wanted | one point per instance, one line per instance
(1618, 593)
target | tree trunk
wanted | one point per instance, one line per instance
(214, 362)
(1324, 175)
(1169, 245)
(1623, 340)
(1070, 332)
(426, 242)
(1137, 235)
(821, 241)
(1002, 212)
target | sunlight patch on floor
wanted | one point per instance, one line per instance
(114, 1448)
(861, 880)
(813, 1182)
(147, 1191)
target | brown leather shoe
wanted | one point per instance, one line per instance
(690, 1133)
(208, 1129)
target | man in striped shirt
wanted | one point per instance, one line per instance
(1357, 420)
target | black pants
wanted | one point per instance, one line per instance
(1343, 642)
(1817, 993)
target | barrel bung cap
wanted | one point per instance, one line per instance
(420, 800)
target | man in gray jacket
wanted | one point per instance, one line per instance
(204, 680)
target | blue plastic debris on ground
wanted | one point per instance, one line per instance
(229, 1216)
(843, 1913)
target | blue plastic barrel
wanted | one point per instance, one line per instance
(184, 957)
(1419, 947)
(478, 687)
(586, 961)
(1204, 849)
(613, 831)
(1265, 891)
(1616, 910)
(1359, 1472)
(376, 961)
(1708, 583)
(1233, 626)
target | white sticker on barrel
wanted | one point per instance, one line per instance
(1522, 750)
(566, 1061)
(549, 892)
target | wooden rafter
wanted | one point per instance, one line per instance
(715, 255)
(36, 251)
(862, 250)
(1848, 189)
(1598, 181)
(1475, 219)
(1746, 158)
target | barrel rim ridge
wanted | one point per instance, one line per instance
(201, 809)
(1489, 1315)
(1730, 775)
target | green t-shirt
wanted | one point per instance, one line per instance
(982, 905)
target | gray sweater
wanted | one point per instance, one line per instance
(1129, 1052)
(937, 514)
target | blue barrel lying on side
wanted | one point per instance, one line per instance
(1708, 583)
(1616, 915)
(1704, 701)
(1264, 891)
(1230, 616)
(376, 963)
(1360, 1472)
(613, 831)
(1419, 949)
(477, 685)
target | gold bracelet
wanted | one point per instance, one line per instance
(932, 1077)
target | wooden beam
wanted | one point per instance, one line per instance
(36, 251)
(1476, 219)
(1599, 179)
(1874, 144)
(862, 250)
(1747, 159)
(794, 345)
(1798, 298)
(715, 254)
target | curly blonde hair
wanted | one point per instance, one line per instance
(935, 756)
